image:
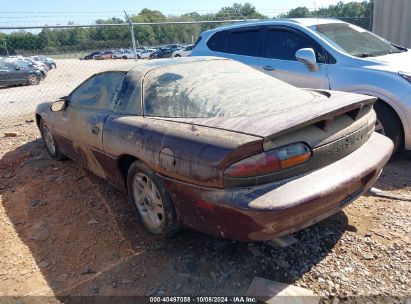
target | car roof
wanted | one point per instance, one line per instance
(279, 21)
(142, 67)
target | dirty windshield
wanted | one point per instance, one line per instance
(355, 40)
(217, 88)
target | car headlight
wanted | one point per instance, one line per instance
(405, 75)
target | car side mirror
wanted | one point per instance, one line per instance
(58, 105)
(307, 57)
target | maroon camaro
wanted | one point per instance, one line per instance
(214, 145)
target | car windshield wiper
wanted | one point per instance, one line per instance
(400, 48)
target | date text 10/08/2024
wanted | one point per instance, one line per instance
(203, 299)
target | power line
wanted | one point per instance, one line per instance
(120, 24)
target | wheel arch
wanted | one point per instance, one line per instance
(123, 163)
(38, 119)
(392, 105)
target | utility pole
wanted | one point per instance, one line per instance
(132, 35)
(5, 45)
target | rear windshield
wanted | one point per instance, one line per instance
(217, 88)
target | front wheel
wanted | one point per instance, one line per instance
(152, 201)
(388, 123)
(50, 142)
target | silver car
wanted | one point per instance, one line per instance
(324, 54)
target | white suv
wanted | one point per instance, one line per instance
(324, 54)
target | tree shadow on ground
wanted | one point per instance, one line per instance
(85, 240)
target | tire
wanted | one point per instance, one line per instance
(177, 55)
(388, 123)
(50, 143)
(124, 57)
(53, 66)
(114, 57)
(152, 201)
(33, 79)
(138, 57)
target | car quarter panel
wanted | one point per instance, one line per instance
(186, 152)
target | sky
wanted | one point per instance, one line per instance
(52, 12)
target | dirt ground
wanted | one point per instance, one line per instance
(64, 231)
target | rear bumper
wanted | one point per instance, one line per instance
(273, 210)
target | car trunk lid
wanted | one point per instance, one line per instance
(334, 116)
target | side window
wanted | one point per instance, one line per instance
(10, 66)
(282, 44)
(98, 92)
(198, 40)
(216, 42)
(244, 42)
(129, 101)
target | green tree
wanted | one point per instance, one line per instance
(298, 12)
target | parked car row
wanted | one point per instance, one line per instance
(19, 70)
(166, 51)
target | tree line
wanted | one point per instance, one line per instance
(76, 39)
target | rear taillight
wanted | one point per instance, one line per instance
(270, 161)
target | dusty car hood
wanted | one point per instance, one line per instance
(284, 121)
(393, 62)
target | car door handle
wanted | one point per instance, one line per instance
(95, 130)
(268, 68)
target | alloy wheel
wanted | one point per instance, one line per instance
(33, 79)
(49, 140)
(148, 201)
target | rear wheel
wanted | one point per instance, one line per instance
(178, 55)
(152, 201)
(50, 142)
(33, 79)
(388, 123)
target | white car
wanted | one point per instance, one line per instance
(145, 54)
(185, 52)
(123, 54)
(324, 54)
